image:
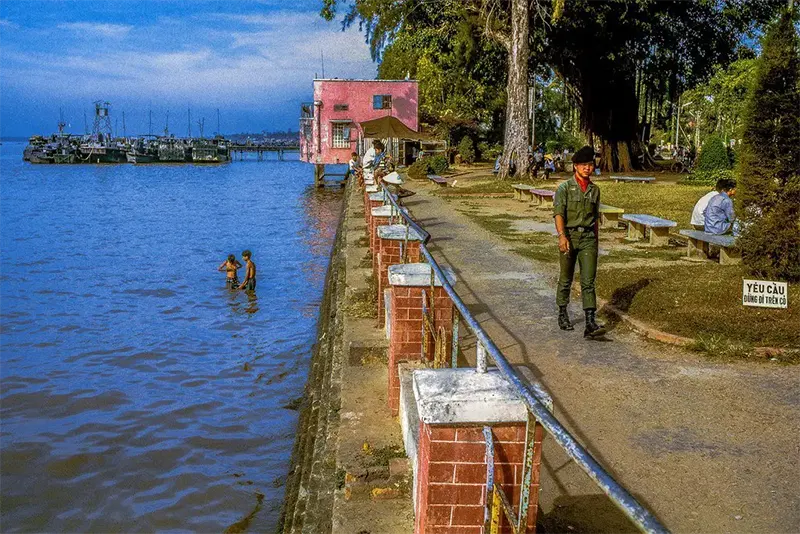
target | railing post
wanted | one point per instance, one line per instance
(482, 365)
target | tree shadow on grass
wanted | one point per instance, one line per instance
(622, 298)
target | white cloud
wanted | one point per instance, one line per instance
(7, 24)
(97, 29)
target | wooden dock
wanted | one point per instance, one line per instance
(261, 150)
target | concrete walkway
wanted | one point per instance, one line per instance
(708, 447)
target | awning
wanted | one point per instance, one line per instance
(389, 127)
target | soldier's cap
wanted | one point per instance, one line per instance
(584, 155)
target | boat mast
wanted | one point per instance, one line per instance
(166, 128)
(189, 109)
(218, 130)
(124, 130)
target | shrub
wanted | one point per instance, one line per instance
(466, 148)
(713, 158)
(489, 152)
(419, 169)
(769, 162)
(708, 177)
(438, 164)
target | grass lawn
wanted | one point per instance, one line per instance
(701, 301)
(668, 201)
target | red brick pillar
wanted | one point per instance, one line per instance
(451, 464)
(392, 238)
(368, 190)
(374, 200)
(408, 282)
(380, 217)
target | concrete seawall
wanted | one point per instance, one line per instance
(349, 472)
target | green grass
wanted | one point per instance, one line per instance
(668, 201)
(701, 302)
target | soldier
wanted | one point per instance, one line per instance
(576, 211)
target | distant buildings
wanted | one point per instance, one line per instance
(330, 125)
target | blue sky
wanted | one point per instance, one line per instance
(254, 60)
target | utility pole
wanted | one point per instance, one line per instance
(532, 113)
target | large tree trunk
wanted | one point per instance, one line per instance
(515, 146)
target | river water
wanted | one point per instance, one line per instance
(136, 392)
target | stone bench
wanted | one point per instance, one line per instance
(699, 243)
(543, 196)
(635, 179)
(638, 224)
(523, 192)
(609, 216)
(438, 180)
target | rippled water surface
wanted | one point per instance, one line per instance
(137, 393)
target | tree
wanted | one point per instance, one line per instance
(769, 184)
(713, 162)
(624, 60)
(506, 22)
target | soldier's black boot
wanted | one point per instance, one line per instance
(592, 329)
(563, 319)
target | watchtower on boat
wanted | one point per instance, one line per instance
(330, 126)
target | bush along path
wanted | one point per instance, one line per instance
(710, 446)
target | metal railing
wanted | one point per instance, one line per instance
(536, 399)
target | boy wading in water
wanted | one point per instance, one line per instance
(231, 267)
(249, 283)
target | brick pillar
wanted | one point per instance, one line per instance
(380, 217)
(368, 190)
(391, 239)
(408, 282)
(374, 200)
(453, 406)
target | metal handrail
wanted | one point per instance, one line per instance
(534, 396)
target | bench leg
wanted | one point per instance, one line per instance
(635, 231)
(659, 237)
(517, 195)
(532, 199)
(609, 220)
(729, 256)
(548, 202)
(696, 249)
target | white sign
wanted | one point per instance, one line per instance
(765, 294)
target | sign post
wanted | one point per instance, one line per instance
(765, 294)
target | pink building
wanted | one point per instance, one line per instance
(329, 127)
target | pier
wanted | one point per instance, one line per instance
(261, 150)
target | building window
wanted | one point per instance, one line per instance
(341, 135)
(382, 102)
(341, 107)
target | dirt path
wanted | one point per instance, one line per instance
(709, 447)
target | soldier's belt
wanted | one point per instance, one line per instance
(581, 229)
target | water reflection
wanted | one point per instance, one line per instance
(136, 391)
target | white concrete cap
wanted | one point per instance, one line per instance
(398, 232)
(393, 178)
(379, 196)
(371, 188)
(386, 210)
(455, 396)
(417, 275)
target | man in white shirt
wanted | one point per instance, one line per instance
(698, 213)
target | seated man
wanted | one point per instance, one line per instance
(698, 213)
(719, 215)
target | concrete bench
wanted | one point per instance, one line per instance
(543, 196)
(639, 179)
(523, 192)
(699, 244)
(609, 216)
(438, 180)
(638, 224)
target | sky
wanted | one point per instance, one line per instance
(253, 60)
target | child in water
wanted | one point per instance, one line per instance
(231, 266)
(249, 283)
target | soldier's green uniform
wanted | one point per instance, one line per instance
(580, 212)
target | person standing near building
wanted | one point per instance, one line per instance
(576, 210)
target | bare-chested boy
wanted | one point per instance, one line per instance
(231, 267)
(249, 283)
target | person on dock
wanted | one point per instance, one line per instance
(352, 166)
(249, 283)
(576, 210)
(231, 267)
